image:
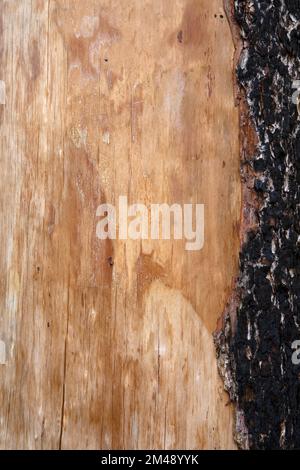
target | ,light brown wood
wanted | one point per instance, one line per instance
(109, 343)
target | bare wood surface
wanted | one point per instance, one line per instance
(108, 343)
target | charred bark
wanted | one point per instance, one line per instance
(262, 319)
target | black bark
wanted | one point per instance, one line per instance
(257, 354)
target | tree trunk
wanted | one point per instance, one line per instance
(107, 343)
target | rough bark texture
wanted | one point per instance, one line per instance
(255, 346)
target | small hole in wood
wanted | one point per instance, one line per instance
(180, 37)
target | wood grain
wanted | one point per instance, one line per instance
(108, 343)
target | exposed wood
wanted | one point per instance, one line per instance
(109, 343)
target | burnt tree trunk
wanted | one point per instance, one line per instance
(261, 322)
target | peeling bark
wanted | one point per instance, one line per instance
(262, 318)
